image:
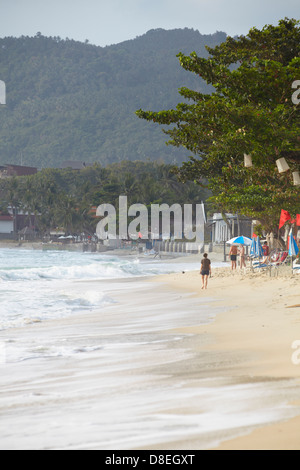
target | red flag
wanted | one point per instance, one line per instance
(285, 216)
(298, 220)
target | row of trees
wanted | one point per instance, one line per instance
(251, 112)
(64, 198)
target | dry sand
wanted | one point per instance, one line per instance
(258, 329)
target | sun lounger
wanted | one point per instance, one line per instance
(296, 266)
(283, 259)
(275, 260)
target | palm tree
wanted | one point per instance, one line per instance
(129, 186)
(66, 212)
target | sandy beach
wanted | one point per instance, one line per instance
(255, 334)
(165, 365)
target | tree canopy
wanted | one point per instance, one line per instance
(249, 112)
(64, 198)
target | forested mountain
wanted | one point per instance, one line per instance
(68, 100)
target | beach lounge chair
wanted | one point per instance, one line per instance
(276, 260)
(275, 257)
(262, 264)
(269, 260)
(283, 259)
(296, 266)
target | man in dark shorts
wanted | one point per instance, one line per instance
(205, 270)
(233, 256)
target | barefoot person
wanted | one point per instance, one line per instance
(233, 256)
(242, 257)
(205, 270)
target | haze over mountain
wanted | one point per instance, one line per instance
(68, 100)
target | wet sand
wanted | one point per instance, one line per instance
(168, 366)
(255, 337)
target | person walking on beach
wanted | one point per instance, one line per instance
(233, 256)
(205, 270)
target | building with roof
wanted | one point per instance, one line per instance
(218, 231)
(9, 171)
(6, 225)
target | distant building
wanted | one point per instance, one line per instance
(6, 225)
(22, 223)
(9, 171)
(218, 230)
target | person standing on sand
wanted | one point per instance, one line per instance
(242, 257)
(205, 270)
(233, 256)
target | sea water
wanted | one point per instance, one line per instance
(112, 369)
(41, 285)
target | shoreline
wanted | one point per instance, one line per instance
(100, 380)
(260, 323)
(165, 366)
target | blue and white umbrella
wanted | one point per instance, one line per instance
(259, 249)
(293, 248)
(240, 241)
(253, 247)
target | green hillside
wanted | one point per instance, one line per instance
(68, 100)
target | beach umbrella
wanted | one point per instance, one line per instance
(293, 248)
(259, 249)
(241, 240)
(253, 247)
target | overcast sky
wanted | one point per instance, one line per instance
(105, 22)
